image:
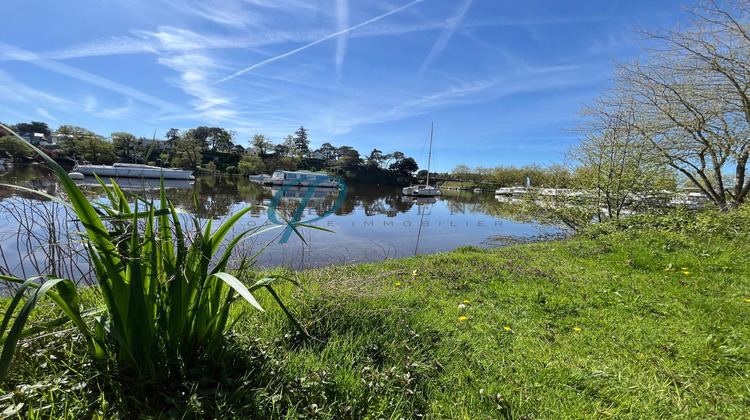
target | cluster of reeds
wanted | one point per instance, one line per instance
(167, 292)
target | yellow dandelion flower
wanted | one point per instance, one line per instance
(576, 329)
(398, 284)
(667, 269)
(684, 268)
(686, 272)
(462, 318)
(506, 328)
(615, 276)
(747, 300)
(466, 301)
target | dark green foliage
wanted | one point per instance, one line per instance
(33, 127)
(405, 166)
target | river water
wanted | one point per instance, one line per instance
(372, 223)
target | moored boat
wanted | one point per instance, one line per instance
(303, 178)
(132, 170)
(504, 191)
(260, 179)
(424, 190)
(421, 191)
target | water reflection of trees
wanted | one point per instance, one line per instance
(376, 200)
(218, 196)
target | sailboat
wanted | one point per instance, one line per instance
(424, 190)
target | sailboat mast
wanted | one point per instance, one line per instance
(429, 155)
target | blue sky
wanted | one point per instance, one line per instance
(500, 79)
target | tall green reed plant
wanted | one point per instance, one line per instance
(166, 296)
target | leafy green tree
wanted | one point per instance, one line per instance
(82, 143)
(290, 145)
(461, 171)
(349, 159)
(210, 166)
(201, 135)
(689, 97)
(212, 138)
(14, 147)
(280, 150)
(615, 161)
(392, 158)
(127, 147)
(405, 166)
(251, 165)
(289, 163)
(221, 140)
(262, 143)
(301, 142)
(329, 152)
(172, 135)
(377, 157)
(33, 127)
(187, 151)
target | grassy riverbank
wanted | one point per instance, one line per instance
(649, 318)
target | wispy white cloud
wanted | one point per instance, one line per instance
(8, 111)
(90, 104)
(231, 13)
(422, 104)
(170, 39)
(44, 113)
(342, 22)
(445, 36)
(459, 93)
(325, 38)
(194, 70)
(14, 53)
(123, 112)
(166, 38)
(12, 90)
(286, 4)
(613, 42)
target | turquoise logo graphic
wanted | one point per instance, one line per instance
(295, 220)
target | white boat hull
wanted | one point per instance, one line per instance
(421, 191)
(133, 171)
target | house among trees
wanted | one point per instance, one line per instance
(164, 144)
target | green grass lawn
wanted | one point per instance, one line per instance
(623, 322)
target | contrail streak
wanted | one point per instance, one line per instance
(325, 38)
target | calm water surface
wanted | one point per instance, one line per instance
(372, 224)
